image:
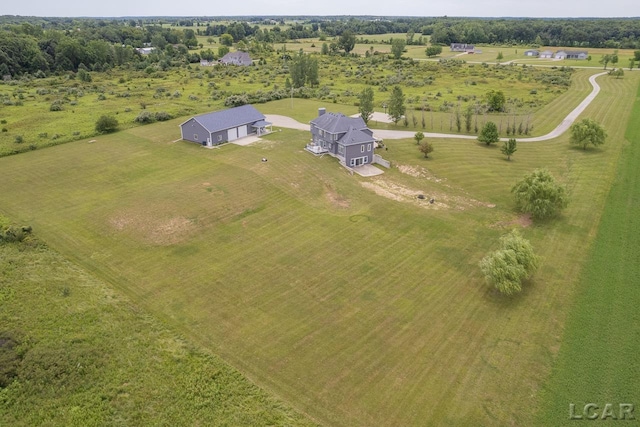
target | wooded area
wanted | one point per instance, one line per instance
(49, 45)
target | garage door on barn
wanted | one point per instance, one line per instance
(232, 134)
(242, 131)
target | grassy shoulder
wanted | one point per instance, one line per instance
(85, 356)
(597, 362)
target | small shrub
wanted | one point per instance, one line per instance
(106, 124)
(56, 106)
(18, 139)
(145, 117)
(162, 116)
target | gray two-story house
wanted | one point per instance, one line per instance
(347, 138)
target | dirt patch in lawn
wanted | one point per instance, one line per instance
(335, 198)
(155, 231)
(523, 221)
(431, 199)
(418, 172)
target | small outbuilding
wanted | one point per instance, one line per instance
(223, 126)
(531, 52)
(546, 54)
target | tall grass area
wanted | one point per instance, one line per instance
(346, 296)
(598, 359)
(77, 353)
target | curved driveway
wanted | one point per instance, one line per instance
(288, 122)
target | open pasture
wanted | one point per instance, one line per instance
(345, 296)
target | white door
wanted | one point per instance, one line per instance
(242, 131)
(232, 134)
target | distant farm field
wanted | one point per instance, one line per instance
(347, 297)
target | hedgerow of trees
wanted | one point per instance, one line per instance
(51, 45)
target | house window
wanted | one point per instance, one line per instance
(341, 150)
(195, 136)
(362, 148)
(368, 147)
(219, 138)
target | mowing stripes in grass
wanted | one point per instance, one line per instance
(598, 360)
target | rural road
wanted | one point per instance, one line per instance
(289, 123)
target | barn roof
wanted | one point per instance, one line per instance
(227, 119)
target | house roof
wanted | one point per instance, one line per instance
(338, 123)
(573, 52)
(237, 58)
(227, 119)
(355, 136)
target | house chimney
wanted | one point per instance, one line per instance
(321, 111)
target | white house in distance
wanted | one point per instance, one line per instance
(223, 126)
(572, 54)
(462, 47)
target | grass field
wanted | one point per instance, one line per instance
(355, 308)
(597, 362)
(90, 357)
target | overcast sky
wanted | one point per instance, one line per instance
(520, 8)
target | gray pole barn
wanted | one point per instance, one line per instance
(223, 126)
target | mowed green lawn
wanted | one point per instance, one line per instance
(355, 308)
(597, 363)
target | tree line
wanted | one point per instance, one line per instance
(50, 45)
